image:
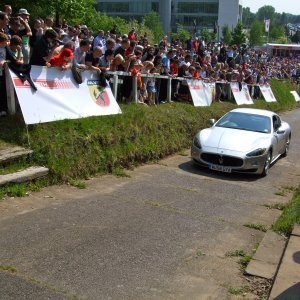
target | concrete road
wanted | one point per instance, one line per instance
(161, 233)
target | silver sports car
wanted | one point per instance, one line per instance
(244, 140)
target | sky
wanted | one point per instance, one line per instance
(287, 6)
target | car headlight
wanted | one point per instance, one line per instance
(196, 142)
(257, 152)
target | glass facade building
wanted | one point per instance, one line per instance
(203, 13)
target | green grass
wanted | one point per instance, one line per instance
(236, 253)
(289, 216)
(79, 149)
(238, 290)
(279, 206)
(8, 268)
(259, 227)
(79, 184)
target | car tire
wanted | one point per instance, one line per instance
(287, 146)
(267, 164)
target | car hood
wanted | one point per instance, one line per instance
(232, 139)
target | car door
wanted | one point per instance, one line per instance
(279, 136)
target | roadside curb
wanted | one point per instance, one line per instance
(267, 257)
(287, 282)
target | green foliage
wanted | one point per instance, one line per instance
(238, 290)
(248, 17)
(153, 22)
(227, 36)
(259, 227)
(256, 34)
(208, 35)
(8, 268)
(266, 12)
(238, 36)
(296, 37)
(277, 33)
(181, 34)
(236, 253)
(290, 216)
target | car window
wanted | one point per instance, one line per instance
(243, 121)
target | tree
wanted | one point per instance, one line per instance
(256, 33)
(296, 37)
(248, 17)
(266, 12)
(181, 34)
(208, 35)
(277, 33)
(238, 36)
(226, 33)
(153, 22)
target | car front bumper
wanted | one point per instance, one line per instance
(228, 161)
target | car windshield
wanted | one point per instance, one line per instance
(244, 121)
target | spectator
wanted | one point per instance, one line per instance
(132, 35)
(24, 19)
(123, 47)
(48, 23)
(106, 60)
(3, 101)
(4, 20)
(62, 60)
(43, 49)
(37, 32)
(92, 59)
(99, 39)
(8, 10)
(80, 54)
(14, 50)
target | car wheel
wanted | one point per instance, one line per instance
(287, 146)
(267, 165)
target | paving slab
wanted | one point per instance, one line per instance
(11, 153)
(24, 175)
(296, 230)
(267, 257)
(287, 282)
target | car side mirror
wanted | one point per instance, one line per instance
(212, 122)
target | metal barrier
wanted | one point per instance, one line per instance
(11, 101)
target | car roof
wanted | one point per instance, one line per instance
(255, 111)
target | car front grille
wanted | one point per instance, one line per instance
(222, 160)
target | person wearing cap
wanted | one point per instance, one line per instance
(24, 18)
(43, 49)
(62, 60)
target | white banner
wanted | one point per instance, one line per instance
(267, 25)
(267, 93)
(241, 96)
(59, 97)
(296, 95)
(202, 93)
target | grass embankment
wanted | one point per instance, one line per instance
(74, 149)
(290, 216)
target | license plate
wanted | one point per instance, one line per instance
(220, 168)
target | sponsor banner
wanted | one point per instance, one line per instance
(296, 95)
(267, 93)
(202, 93)
(267, 25)
(59, 97)
(241, 96)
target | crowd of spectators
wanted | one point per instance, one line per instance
(39, 42)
